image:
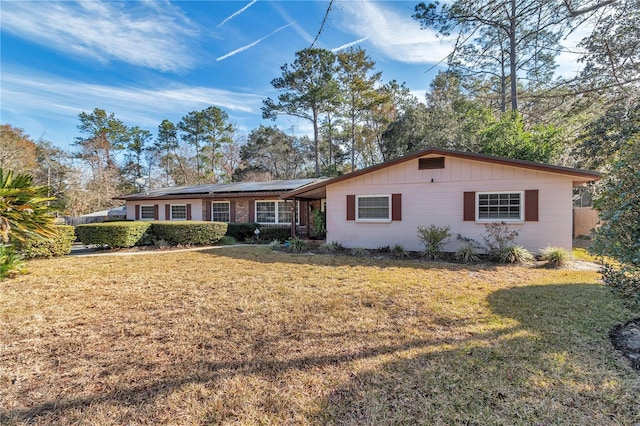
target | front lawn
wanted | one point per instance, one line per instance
(250, 336)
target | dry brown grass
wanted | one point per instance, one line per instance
(250, 336)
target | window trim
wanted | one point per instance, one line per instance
(171, 206)
(228, 210)
(255, 211)
(521, 219)
(153, 211)
(374, 220)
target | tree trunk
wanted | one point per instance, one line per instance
(512, 56)
(315, 141)
(353, 141)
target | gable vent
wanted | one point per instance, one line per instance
(431, 163)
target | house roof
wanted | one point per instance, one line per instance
(116, 211)
(317, 189)
(274, 187)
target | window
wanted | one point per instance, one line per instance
(500, 206)
(220, 211)
(375, 207)
(275, 212)
(147, 213)
(178, 212)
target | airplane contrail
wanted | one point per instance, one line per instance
(344, 46)
(250, 45)
(237, 13)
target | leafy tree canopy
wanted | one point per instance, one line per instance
(618, 205)
(507, 137)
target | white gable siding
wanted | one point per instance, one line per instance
(441, 203)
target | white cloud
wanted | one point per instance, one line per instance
(149, 34)
(396, 35)
(48, 96)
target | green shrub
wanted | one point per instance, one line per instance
(332, 247)
(359, 252)
(466, 254)
(399, 251)
(160, 244)
(270, 233)
(433, 237)
(297, 245)
(275, 245)
(227, 241)
(189, 232)
(319, 223)
(624, 281)
(10, 263)
(242, 231)
(113, 234)
(498, 237)
(555, 256)
(57, 245)
(514, 254)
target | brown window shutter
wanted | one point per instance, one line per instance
(156, 214)
(252, 210)
(137, 213)
(531, 205)
(167, 212)
(207, 210)
(188, 211)
(469, 206)
(232, 211)
(396, 207)
(303, 213)
(351, 207)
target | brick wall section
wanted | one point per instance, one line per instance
(200, 207)
(242, 210)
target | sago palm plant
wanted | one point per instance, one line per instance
(24, 211)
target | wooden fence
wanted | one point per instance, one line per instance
(584, 220)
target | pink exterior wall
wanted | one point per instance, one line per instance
(196, 207)
(441, 203)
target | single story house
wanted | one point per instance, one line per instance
(258, 202)
(384, 204)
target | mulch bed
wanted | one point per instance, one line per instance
(626, 338)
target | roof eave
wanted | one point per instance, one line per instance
(585, 175)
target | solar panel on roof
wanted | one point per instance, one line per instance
(234, 187)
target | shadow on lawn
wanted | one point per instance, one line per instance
(462, 378)
(199, 371)
(546, 370)
(264, 254)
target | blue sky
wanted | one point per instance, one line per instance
(150, 60)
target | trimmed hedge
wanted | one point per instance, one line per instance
(270, 233)
(241, 231)
(129, 234)
(113, 234)
(58, 245)
(188, 232)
